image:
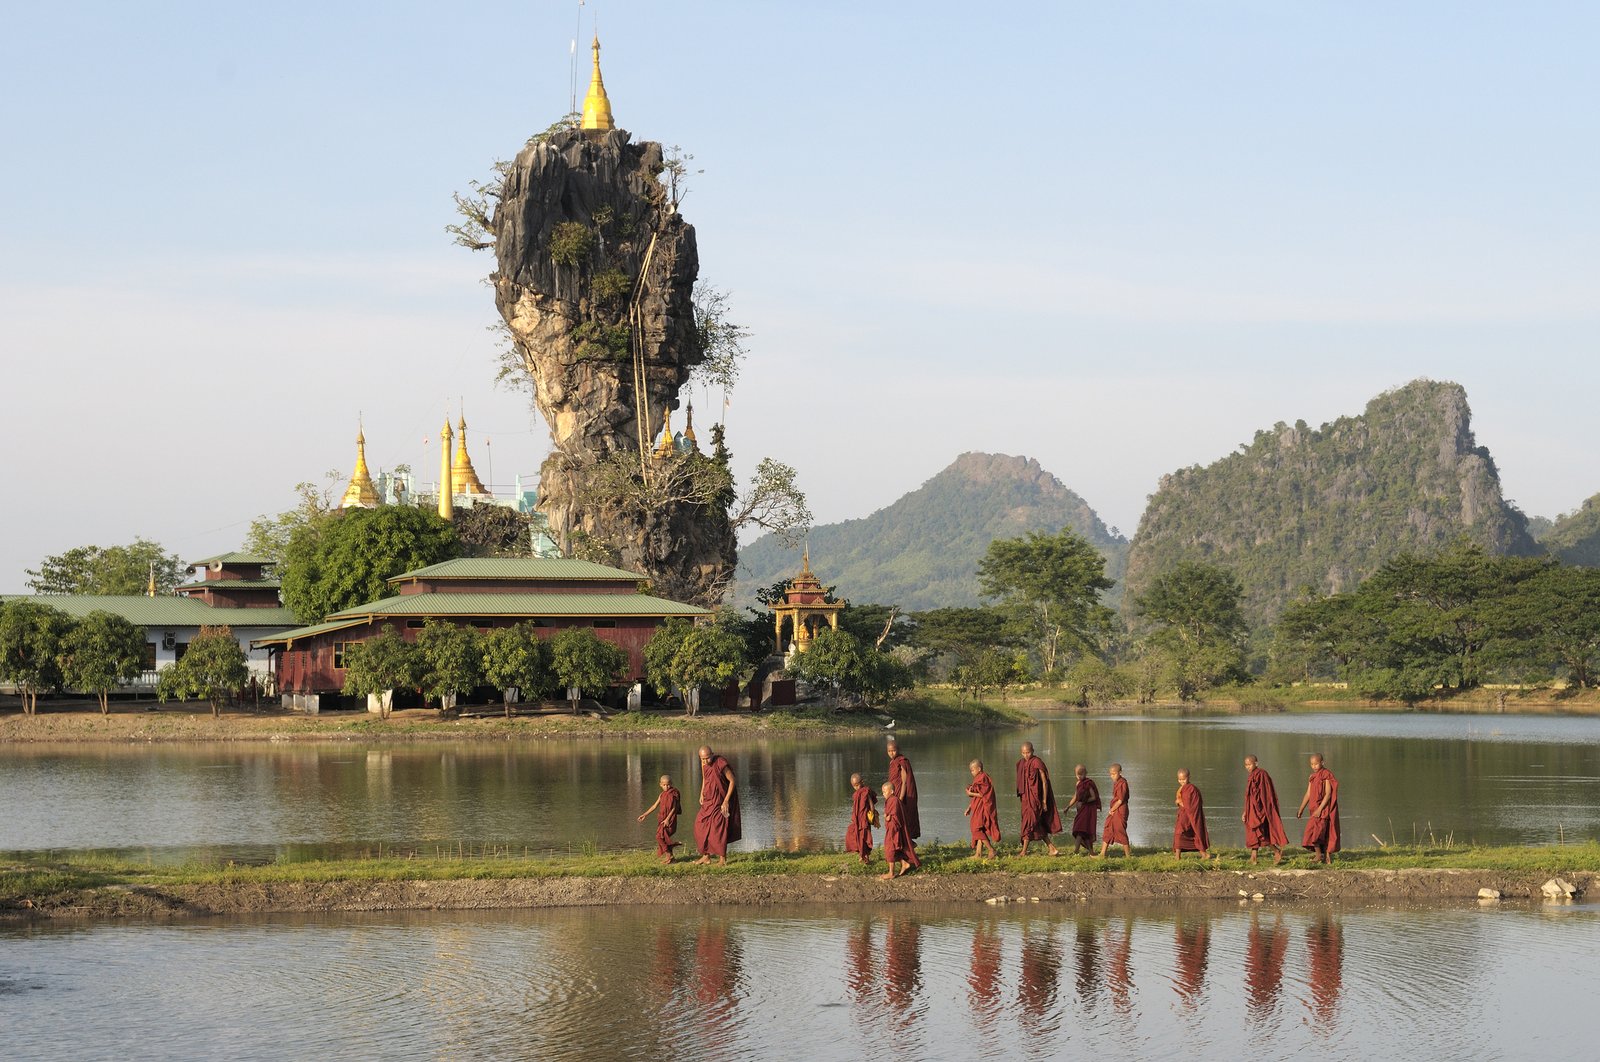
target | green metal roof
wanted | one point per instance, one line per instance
(233, 584)
(163, 611)
(517, 568)
(290, 637)
(233, 558)
(522, 605)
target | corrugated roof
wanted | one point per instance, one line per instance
(517, 568)
(522, 605)
(233, 558)
(288, 637)
(161, 611)
(233, 584)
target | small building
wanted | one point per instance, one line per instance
(552, 593)
(232, 580)
(805, 609)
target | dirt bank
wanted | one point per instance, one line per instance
(1274, 886)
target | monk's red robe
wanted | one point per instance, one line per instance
(1322, 831)
(1116, 831)
(713, 831)
(858, 837)
(1040, 816)
(1189, 835)
(1263, 826)
(983, 815)
(897, 846)
(1087, 808)
(900, 770)
(667, 820)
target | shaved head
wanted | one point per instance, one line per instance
(1027, 748)
(855, 779)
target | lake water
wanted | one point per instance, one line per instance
(1498, 779)
(901, 982)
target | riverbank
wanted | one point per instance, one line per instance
(40, 886)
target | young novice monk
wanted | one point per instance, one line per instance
(982, 812)
(1189, 833)
(898, 851)
(1117, 816)
(667, 805)
(863, 803)
(1086, 798)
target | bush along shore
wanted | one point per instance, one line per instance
(430, 878)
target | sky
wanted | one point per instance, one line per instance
(1118, 238)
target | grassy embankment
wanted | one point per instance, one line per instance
(1259, 698)
(46, 880)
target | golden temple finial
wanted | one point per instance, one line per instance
(150, 590)
(665, 446)
(597, 105)
(688, 430)
(447, 501)
(360, 493)
(462, 474)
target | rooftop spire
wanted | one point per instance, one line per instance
(360, 493)
(596, 105)
(447, 503)
(465, 477)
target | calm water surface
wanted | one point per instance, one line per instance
(1403, 776)
(812, 984)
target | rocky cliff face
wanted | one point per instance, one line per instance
(1325, 508)
(594, 266)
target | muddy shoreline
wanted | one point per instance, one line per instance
(1407, 886)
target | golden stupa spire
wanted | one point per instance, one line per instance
(666, 446)
(688, 430)
(360, 493)
(465, 477)
(597, 105)
(447, 501)
(150, 591)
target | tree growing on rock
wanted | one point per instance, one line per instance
(101, 652)
(213, 668)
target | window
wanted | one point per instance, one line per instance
(149, 656)
(415, 625)
(339, 651)
(605, 623)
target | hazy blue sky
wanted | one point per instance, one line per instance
(1115, 237)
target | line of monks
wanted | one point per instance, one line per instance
(718, 823)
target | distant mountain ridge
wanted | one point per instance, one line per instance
(922, 551)
(1575, 537)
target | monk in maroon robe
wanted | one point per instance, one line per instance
(718, 824)
(1086, 798)
(1040, 817)
(1263, 826)
(1322, 797)
(898, 851)
(1189, 834)
(905, 787)
(983, 815)
(667, 806)
(1116, 831)
(863, 805)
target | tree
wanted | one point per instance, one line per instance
(1054, 581)
(31, 637)
(1566, 620)
(1199, 626)
(213, 667)
(269, 536)
(660, 652)
(517, 658)
(721, 340)
(494, 531)
(707, 656)
(584, 662)
(101, 652)
(347, 559)
(124, 570)
(833, 659)
(1094, 681)
(379, 666)
(880, 626)
(450, 659)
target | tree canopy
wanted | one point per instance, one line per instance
(1053, 583)
(346, 559)
(213, 668)
(517, 658)
(101, 652)
(379, 665)
(450, 660)
(108, 570)
(584, 661)
(31, 638)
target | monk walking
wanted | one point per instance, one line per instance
(1086, 798)
(1040, 817)
(863, 810)
(983, 814)
(718, 823)
(1322, 797)
(1117, 815)
(898, 851)
(905, 787)
(667, 806)
(1263, 826)
(1189, 834)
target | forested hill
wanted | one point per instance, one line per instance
(1575, 537)
(1324, 508)
(922, 551)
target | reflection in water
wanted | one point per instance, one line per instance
(1265, 949)
(983, 979)
(1088, 962)
(1325, 943)
(902, 971)
(1119, 971)
(1193, 951)
(1038, 976)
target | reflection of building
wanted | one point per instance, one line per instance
(805, 608)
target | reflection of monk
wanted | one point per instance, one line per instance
(1263, 966)
(716, 969)
(983, 981)
(1193, 948)
(664, 973)
(1088, 960)
(1119, 967)
(1040, 972)
(1325, 942)
(859, 963)
(902, 965)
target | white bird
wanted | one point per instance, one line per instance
(889, 725)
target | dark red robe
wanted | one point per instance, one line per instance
(714, 832)
(1040, 816)
(1322, 831)
(667, 820)
(900, 768)
(983, 816)
(1189, 835)
(1116, 831)
(897, 846)
(858, 838)
(1263, 826)
(1087, 810)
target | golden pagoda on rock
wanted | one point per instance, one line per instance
(360, 494)
(596, 105)
(462, 475)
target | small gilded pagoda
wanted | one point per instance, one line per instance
(806, 609)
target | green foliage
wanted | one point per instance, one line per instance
(380, 664)
(707, 656)
(571, 243)
(605, 342)
(1053, 584)
(346, 560)
(1575, 537)
(1093, 681)
(870, 622)
(269, 535)
(1199, 627)
(721, 341)
(213, 668)
(107, 570)
(584, 661)
(493, 531)
(32, 636)
(660, 652)
(517, 658)
(956, 637)
(832, 659)
(101, 652)
(991, 669)
(450, 658)
(611, 287)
